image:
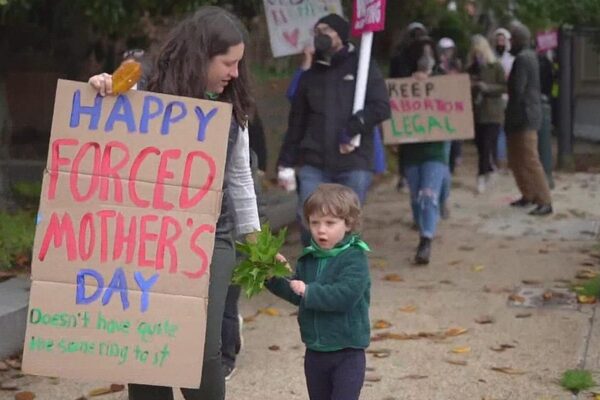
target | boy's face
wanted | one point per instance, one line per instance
(327, 230)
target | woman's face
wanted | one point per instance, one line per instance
(223, 68)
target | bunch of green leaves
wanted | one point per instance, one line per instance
(576, 380)
(16, 237)
(589, 288)
(259, 263)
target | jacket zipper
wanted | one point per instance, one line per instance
(320, 264)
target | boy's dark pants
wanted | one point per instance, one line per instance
(213, 381)
(336, 375)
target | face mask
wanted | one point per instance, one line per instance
(425, 64)
(500, 49)
(323, 46)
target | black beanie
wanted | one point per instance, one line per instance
(338, 24)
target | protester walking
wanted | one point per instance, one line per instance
(523, 119)
(322, 123)
(203, 57)
(488, 84)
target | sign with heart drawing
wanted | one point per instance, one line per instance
(291, 22)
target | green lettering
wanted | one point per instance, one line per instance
(449, 127)
(433, 123)
(418, 128)
(395, 130)
(406, 125)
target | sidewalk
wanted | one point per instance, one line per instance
(485, 252)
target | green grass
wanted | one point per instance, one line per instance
(16, 238)
(27, 194)
(577, 380)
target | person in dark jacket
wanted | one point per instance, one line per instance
(331, 286)
(322, 123)
(488, 83)
(523, 118)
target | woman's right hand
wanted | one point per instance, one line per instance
(102, 83)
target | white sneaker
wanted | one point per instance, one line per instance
(490, 178)
(481, 184)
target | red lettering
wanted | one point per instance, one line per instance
(459, 106)
(146, 236)
(55, 231)
(199, 251)
(163, 173)
(428, 104)
(166, 242)
(77, 196)
(122, 238)
(104, 216)
(56, 161)
(184, 200)
(394, 105)
(86, 225)
(108, 171)
(135, 167)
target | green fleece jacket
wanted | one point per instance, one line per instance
(334, 311)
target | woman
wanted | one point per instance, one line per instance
(425, 164)
(488, 83)
(203, 57)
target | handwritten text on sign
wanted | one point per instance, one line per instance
(125, 236)
(291, 22)
(438, 108)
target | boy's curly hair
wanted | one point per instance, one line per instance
(334, 199)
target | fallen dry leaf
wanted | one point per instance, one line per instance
(409, 308)
(516, 298)
(461, 350)
(3, 366)
(455, 331)
(485, 319)
(455, 262)
(586, 299)
(456, 362)
(523, 315)
(379, 263)
(274, 347)
(99, 391)
(502, 347)
(447, 282)
(588, 264)
(116, 387)
(380, 353)
(496, 289)
(393, 278)
(478, 268)
(413, 376)
(381, 324)
(13, 363)
(10, 384)
(531, 282)
(372, 377)
(548, 295)
(252, 318)
(586, 274)
(543, 251)
(270, 311)
(508, 370)
(24, 396)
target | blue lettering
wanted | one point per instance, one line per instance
(80, 294)
(117, 283)
(145, 286)
(121, 112)
(147, 115)
(93, 111)
(203, 121)
(168, 120)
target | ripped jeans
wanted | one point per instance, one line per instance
(425, 182)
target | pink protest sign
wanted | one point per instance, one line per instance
(368, 16)
(547, 40)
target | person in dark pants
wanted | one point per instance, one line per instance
(488, 83)
(331, 286)
(203, 57)
(545, 132)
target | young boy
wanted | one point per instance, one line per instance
(332, 287)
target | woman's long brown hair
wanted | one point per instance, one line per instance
(181, 67)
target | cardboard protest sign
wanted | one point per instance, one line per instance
(368, 16)
(436, 109)
(125, 234)
(291, 22)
